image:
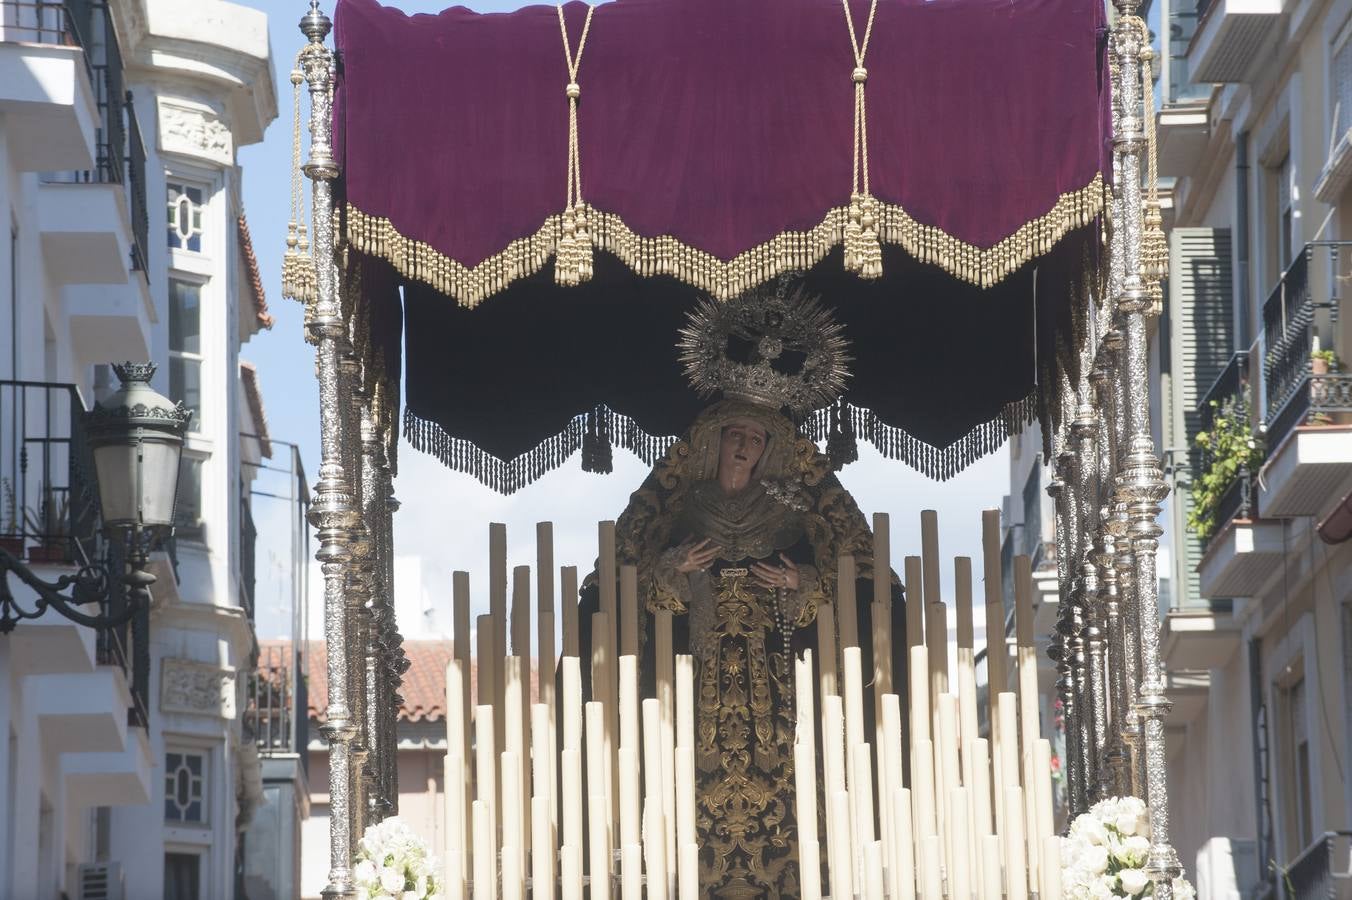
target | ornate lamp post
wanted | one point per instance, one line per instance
(137, 439)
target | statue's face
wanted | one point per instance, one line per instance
(741, 447)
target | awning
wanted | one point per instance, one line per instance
(715, 144)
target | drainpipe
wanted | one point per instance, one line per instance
(1243, 312)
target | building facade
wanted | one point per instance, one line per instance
(1256, 104)
(125, 238)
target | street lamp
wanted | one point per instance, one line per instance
(137, 439)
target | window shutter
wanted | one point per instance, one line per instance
(1201, 339)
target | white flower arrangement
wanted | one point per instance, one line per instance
(1104, 855)
(393, 864)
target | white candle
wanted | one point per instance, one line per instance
(809, 869)
(904, 852)
(949, 778)
(513, 808)
(873, 871)
(455, 832)
(826, 646)
(598, 828)
(932, 880)
(666, 699)
(967, 712)
(1051, 867)
(922, 794)
(654, 789)
(995, 606)
(571, 781)
(570, 865)
(572, 703)
(805, 753)
(630, 808)
(631, 872)
(655, 851)
(915, 604)
(541, 821)
(485, 861)
(991, 885)
(1029, 727)
(833, 770)
(685, 700)
(842, 860)
(485, 768)
(544, 599)
(629, 716)
(891, 778)
(689, 879)
(854, 695)
(1016, 864)
(861, 798)
(919, 687)
(1042, 784)
(512, 888)
(979, 752)
(960, 872)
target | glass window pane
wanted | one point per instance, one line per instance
(185, 386)
(185, 316)
(182, 876)
(195, 765)
(184, 208)
(181, 791)
(188, 505)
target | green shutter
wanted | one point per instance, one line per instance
(1200, 334)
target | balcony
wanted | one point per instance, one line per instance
(1189, 691)
(1204, 636)
(1230, 36)
(1308, 413)
(45, 84)
(1322, 872)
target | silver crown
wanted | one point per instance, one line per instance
(772, 347)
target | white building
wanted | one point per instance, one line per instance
(1254, 131)
(119, 125)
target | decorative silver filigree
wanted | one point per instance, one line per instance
(773, 346)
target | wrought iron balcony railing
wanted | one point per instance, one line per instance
(248, 540)
(276, 716)
(1288, 340)
(1323, 871)
(1230, 394)
(45, 22)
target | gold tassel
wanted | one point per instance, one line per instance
(573, 256)
(1154, 246)
(853, 230)
(869, 254)
(299, 278)
(862, 251)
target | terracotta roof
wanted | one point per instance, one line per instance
(424, 689)
(248, 375)
(260, 300)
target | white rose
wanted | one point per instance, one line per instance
(1126, 823)
(1095, 860)
(364, 872)
(1095, 833)
(1135, 849)
(412, 895)
(391, 880)
(1134, 881)
(1183, 889)
(1101, 890)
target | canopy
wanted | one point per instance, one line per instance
(715, 146)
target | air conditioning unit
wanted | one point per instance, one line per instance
(101, 881)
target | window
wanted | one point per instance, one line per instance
(185, 217)
(184, 777)
(188, 502)
(182, 876)
(1299, 774)
(1341, 92)
(1285, 214)
(185, 347)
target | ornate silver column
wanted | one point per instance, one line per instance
(333, 512)
(359, 628)
(373, 509)
(1141, 481)
(1094, 717)
(1062, 650)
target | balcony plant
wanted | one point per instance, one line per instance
(1228, 449)
(1322, 362)
(11, 539)
(50, 522)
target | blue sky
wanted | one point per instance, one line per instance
(443, 522)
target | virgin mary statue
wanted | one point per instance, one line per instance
(737, 532)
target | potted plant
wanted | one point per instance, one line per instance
(10, 538)
(1229, 451)
(1322, 362)
(51, 524)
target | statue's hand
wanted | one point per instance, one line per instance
(772, 576)
(697, 556)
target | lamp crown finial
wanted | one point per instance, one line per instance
(130, 372)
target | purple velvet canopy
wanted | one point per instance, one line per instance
(715, 151)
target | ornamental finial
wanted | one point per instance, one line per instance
(315, 25)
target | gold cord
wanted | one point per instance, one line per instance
(863, 252)
(573, 258)
(299, 279)
(1154, 245)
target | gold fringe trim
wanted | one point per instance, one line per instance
(665, 255)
